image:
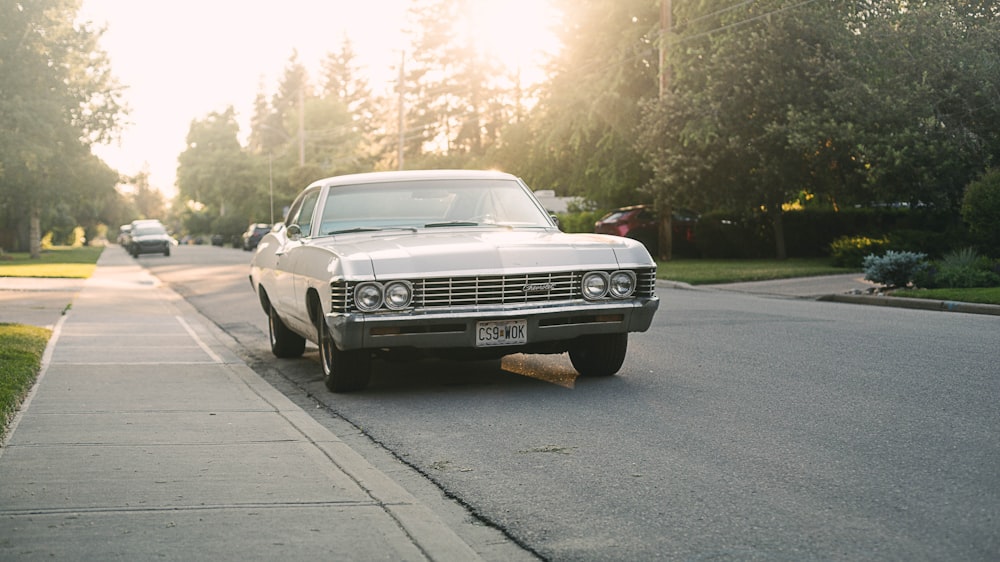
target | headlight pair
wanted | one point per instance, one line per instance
(617, 285)
(372, 295)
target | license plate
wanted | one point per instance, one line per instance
(501, 332)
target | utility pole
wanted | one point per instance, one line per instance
(666, 22)
(302, 126)
(402, 120)
(664, 208)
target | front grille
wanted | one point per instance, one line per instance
(496, 289)
(481, 290)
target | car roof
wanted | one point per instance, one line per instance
(411, 175)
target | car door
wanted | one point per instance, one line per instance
(287, 267)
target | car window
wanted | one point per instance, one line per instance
(302, 213)
(417, 204)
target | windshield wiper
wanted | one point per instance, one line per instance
(370, 229)
(451, 223)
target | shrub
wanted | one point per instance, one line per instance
(981, 210)
(933, 243)
(724, 235)
(850, 251)
(578, 221)
(893, 269)
(961, 269)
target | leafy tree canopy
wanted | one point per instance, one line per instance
(57, 97)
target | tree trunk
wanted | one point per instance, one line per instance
(35, 233)
(665, 242)
(777, 221)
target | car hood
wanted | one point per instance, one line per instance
(482, 252)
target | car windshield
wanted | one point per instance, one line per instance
(148, 230)
(430, 204)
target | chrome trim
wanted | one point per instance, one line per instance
(436, 293)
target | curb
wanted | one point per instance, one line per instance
(868, 299)
(917, 304)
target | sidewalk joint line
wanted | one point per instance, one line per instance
(201, 343)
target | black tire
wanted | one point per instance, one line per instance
(284, 342)
(600, 355)
(166, 251)
(343, 371)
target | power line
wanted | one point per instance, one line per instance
(720, 12)
(745, 21)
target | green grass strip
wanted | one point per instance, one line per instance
(60, 261)
(986, 295)
(707, 272)
(21, 349)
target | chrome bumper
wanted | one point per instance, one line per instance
(456, 328)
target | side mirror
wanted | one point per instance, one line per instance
(293, 232)
(555, 220)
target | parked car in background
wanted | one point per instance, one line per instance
(124, 237)
(454, 264)
(149, 237)
(253, 235)
(642, 223)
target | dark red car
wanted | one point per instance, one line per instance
(641, 222)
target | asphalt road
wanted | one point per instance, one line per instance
(742, 427)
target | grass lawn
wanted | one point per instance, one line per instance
(702, 272)
(59, 261)
(986, 295)
(21, 349)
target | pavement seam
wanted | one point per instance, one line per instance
(211, 507)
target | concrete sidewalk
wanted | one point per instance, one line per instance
(146, 437)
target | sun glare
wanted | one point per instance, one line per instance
(517, 33)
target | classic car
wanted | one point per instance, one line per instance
(444, 263)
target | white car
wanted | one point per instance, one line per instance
(447, 263)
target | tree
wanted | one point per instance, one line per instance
(456, 93)
(332, 128)
(857, 102)
(216, 172)
(57, 97)
(342, 82)
(746, 123)
(583, 127)
(147, 201)
(981, 211)
(924, 86)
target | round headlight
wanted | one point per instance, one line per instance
(595, 285)
(398, 295)
(368, 296)
(622, 284)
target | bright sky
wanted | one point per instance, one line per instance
(183, 59)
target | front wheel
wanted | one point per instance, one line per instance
(343, 371)
(284, 342)
(600, 355)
